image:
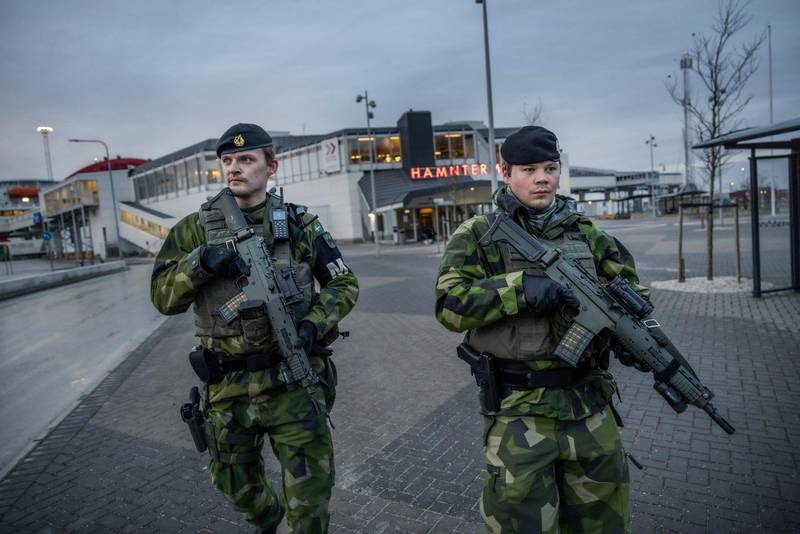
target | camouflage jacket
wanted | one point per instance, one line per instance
(469, 296)
(174, 285)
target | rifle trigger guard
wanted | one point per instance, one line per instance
(651, 323)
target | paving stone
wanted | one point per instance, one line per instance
(408, 433)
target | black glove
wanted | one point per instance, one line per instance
(306, 336)
(544, 296)
(627, 359)
(223, 261)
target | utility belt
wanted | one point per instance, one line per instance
(498, 378)
(212, 366)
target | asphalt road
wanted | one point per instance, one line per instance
(59, 343)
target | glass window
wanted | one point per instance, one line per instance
(396, 150)
(166, 179)
(360, 153)
(449, 146)
(196, 167)
(213, 170)
(192, 173)
(383, 149)
(469, 146)
(181, 182)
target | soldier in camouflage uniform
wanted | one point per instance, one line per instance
(249, 402)
(554, 458)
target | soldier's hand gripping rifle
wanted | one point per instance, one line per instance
(278, 291)
(612, 306)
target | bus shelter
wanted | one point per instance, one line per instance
(774, 201)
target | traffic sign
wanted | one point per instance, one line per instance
(47, 236)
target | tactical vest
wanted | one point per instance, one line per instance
(523, 336)
(218, 291)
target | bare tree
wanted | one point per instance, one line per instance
(533, 116)
(723, 69)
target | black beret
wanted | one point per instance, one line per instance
(530, 144)
(243, 137)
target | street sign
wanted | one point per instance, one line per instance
(47, 236)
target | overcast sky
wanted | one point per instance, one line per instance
(151, 77)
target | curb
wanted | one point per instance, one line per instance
(39, 282)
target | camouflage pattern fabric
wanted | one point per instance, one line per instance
(548, 476)
(554, 458)
(256, 404)
(473, 291)
(175, 282)
(300, 439)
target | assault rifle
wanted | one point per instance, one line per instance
(612, 306)
(276, 289)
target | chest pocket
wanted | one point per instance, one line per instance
(575, 247)
(216, 230)
(523, 336)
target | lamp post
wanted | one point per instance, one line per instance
(111, 181)
(686, 66)
(492, 162)
(771, 152)
(652, 142)
(45, 131)
(371, 104)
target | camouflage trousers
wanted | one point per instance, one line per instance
(300, 439)
(548, 476)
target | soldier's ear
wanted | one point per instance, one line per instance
(272, 167)
(505, 171)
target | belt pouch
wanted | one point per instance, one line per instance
(205, 365)
(255, 326)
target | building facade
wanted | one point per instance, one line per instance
(428, 179)
(79, 212)
(21, 217)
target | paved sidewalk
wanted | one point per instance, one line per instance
(408, 432)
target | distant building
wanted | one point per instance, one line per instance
(20, 216)
(605, 192)
(428, 178)
(80, 213)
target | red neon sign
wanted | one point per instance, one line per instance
(436, 173)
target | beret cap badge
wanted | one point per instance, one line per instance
(243, 137)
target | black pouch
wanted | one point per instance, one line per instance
(205, 365)
(255, 326)
(329, 379)
(192, 415)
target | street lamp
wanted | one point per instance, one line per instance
(652, 142)
(492, 162)
(686, 66)
(111, 180)
(45, 131)
(371, 104)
